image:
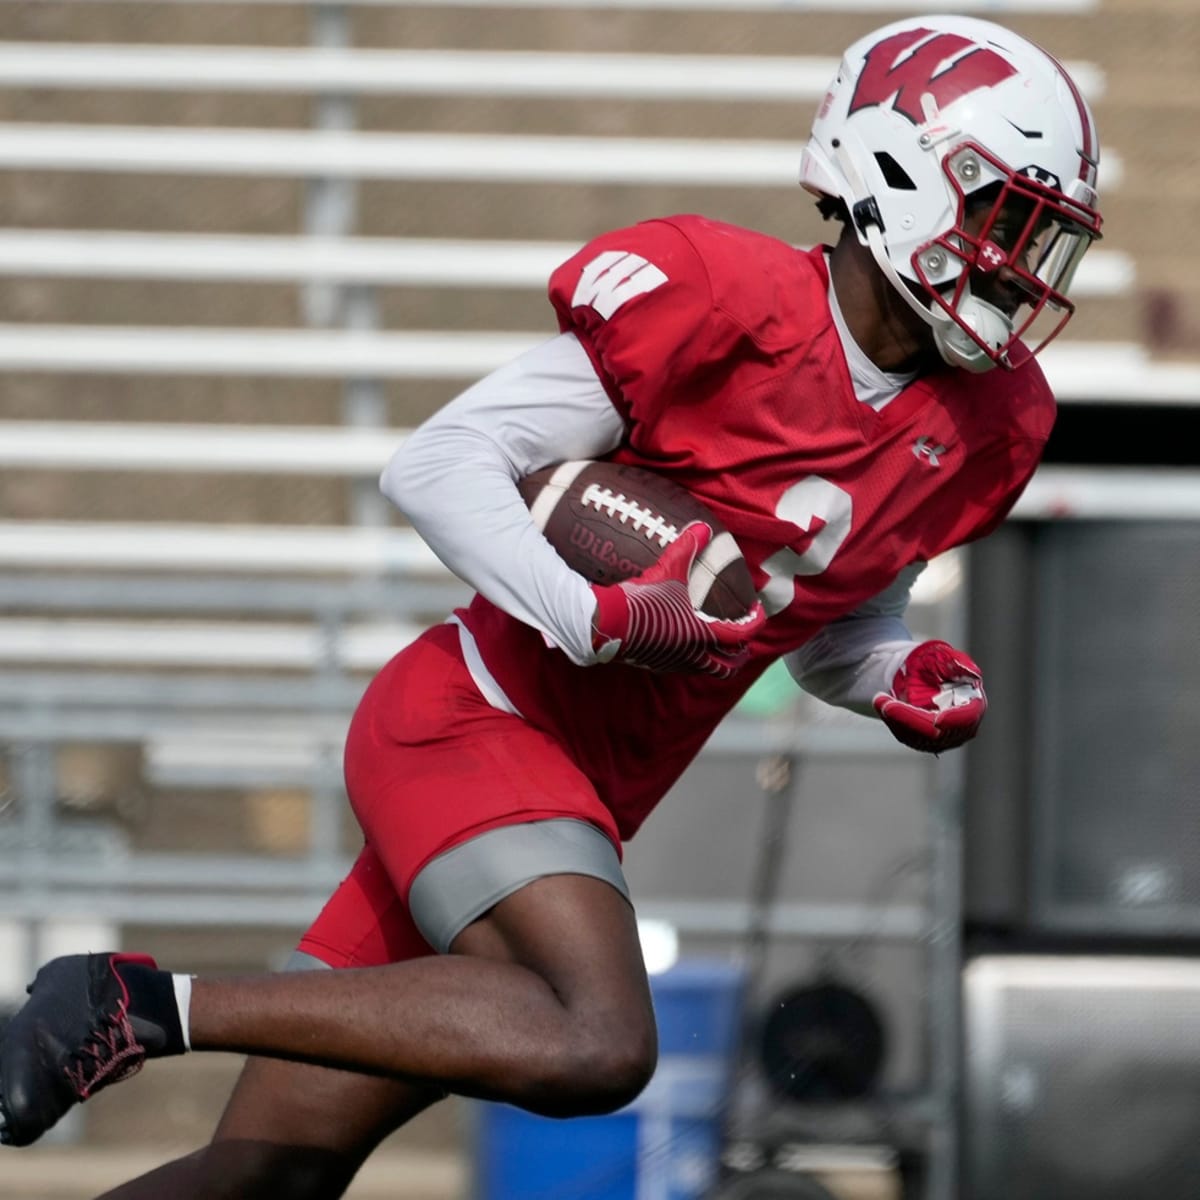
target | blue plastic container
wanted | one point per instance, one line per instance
(664, 1146)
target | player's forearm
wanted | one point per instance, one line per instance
(455, 481)
(459, 496)
(850, 661)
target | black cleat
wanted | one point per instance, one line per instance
(74, 1036)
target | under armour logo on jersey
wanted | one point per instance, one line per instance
(928, 69)
(614, 277)
(923, 448)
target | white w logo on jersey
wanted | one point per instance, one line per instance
(614, 277)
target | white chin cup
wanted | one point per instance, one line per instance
(957, 346)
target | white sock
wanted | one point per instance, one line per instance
(183, 998)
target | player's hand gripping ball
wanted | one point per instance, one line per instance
(672, 589)
(937, 700)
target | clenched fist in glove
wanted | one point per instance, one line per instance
(649, 621)
(937, 701)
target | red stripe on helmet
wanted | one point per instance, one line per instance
(1089, 152)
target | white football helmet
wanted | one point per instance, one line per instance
(962, 153)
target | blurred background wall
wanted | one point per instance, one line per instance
(246, 245)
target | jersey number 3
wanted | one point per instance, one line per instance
(812, 504)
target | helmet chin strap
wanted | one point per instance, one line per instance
(954, 344)
(986, 321)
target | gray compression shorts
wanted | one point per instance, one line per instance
(300, 961)
(457, 887)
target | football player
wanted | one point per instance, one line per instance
(846, 412)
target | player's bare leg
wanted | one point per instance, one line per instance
(292, 1131)
(544, 1003)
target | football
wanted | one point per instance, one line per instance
(610, 521)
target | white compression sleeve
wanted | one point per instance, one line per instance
(454, 479)
(852, 659)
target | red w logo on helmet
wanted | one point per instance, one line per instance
(883, 77)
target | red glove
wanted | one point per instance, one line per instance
(649, 621)
(937, 701)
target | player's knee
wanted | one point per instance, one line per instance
(623, 1074)
(601, 1072)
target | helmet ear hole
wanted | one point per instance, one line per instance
(894, 175)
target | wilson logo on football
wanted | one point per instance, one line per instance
(603, 551)
(887, 74)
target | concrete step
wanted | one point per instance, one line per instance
(1148, 135)
(103, 496)
(820, 31)
(82, 1173)
(183, 24)
(102, 398)
(248, 306)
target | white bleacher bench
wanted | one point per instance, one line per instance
(709, 77)
(427, 72)
(408, 262)
(412, 262)
(175, 643)
(90, 642)
(134, 703)
(277, 353)
(223, 755)
(289, 550)
(981, 7)
(472, 158)
(337, 154)
(1090, 372)
(218, 755)
(1060, 493)
(339, 452)
(363, 644)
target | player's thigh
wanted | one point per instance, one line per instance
(550, 896)
(429, 763)
(547, 894)
(579, 933)
(464, 804)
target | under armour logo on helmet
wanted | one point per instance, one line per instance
(1042, 175)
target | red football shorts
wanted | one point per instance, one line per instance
(429, 764)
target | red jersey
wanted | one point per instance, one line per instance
(717, 346)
